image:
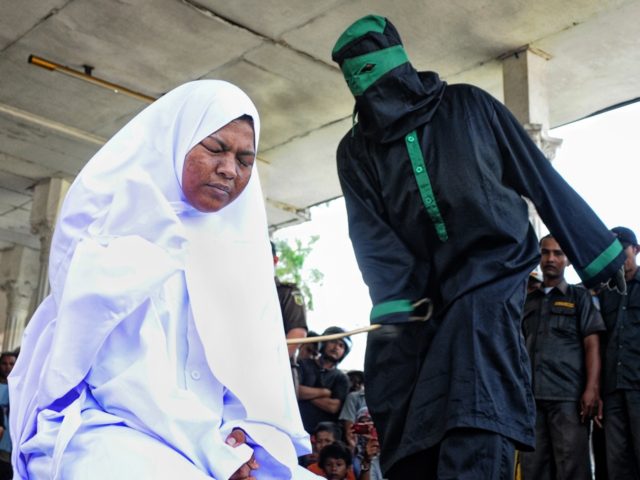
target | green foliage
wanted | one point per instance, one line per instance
(290, 267)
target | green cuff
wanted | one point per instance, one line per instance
(392, 306)
(601, 262)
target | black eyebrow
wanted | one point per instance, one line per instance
(226, 148)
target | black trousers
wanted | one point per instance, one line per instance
(562, 444)
(622, 434)
(463, 454)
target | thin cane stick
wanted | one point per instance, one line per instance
(333, 336)
(368, 328)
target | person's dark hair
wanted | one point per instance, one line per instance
(548, 235)
(334, 450)
(246, 118)
(331, 427)
(8, 354)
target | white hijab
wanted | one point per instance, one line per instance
(129, 198)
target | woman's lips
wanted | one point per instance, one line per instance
(220, 187)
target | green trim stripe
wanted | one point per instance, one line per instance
(604, 259)
(392, 306)
(424, 184)
(370, 23)
(362, 71)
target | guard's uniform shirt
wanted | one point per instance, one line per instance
(467, 366)
(555, 325)
(621, 345)
(313, 375)
(292, 305)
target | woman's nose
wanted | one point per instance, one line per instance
(227, 165)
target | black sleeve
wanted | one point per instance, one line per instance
(592, 248)
(385, 262)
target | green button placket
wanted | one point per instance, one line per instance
(424, 184)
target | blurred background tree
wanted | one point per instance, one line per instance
(290, 267)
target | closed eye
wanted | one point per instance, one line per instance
(212, 148)
(246, 160)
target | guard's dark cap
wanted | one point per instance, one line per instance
(626, 236)
(365, 35)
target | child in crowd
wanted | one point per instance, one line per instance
(335, 462)
(325, 434)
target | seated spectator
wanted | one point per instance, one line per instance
(324, 434)
(335, 462)
(354, 402)
(356, 380)
(367, 447)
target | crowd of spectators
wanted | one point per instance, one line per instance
(345, 447)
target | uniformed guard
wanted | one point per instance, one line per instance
(294, 315)
(561, 327)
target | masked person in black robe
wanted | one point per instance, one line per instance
(433, 177)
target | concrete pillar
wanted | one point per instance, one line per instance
(47, 201)
(19, 267)
(525, 95)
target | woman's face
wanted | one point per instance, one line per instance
(218, 169)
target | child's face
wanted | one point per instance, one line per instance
(335, 468)
(322, 439)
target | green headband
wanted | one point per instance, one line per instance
(363, 71)
(370, 23)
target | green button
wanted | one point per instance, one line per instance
(428, 200)
(418, 169)
(410, 138)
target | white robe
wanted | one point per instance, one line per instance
(163, 330)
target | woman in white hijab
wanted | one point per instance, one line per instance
(160, 352)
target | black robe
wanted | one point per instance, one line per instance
(467, 366)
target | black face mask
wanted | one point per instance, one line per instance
(392, 98)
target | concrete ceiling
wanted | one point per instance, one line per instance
(278, 51)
